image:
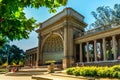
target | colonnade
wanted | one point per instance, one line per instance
(31, 59)
(102, 49)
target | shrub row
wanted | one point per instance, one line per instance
(93, 71)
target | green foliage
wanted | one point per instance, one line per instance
(14, 62)
(105, 72)
(1, 61)
(86, 71)
(12, 54)
(116, 68)
(70, 71)
(5, 64)
(119, 75)
(106, 16)
(13, 23)
(76, 72)
(92, 71)
(2, 70)
(21, 63)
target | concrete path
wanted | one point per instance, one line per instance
(3, 77)
(49, 76)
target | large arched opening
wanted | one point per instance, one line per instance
(53, 49)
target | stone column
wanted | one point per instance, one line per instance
(30, 59)
(34, 59)
(95, 50)
(68, 47)
(118, 47)
(88, 58)
(81, 55)
(104, 49)
(74, 52)
(114, 47)
(38, 57)
(65, 64)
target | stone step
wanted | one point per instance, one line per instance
(29, 72)
(22, 73)
(41, 78)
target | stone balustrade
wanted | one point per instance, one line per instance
(99, 29)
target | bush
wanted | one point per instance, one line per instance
(69, 71)
(119, 75)
(76, 71)
(115, 75)
(5, 64)
(88, 71)
(116, 68)
(111, 72)
(21, 63)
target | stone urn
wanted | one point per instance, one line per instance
(51, 68)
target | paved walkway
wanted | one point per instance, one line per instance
(3, 77)
(49, 76)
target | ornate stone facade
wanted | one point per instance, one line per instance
(62, 38)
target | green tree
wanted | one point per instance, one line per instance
(5, 52)
(13, 23)
(106, 16)
(11, 54)
(17, 54)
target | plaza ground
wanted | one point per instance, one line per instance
(27, 74)
(3, 77)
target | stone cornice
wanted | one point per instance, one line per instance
(99, 35)
(66, 13)
(31, 50)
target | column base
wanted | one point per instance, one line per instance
(67, 62)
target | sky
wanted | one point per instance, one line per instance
(84, 7)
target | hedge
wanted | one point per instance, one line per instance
(93, 71)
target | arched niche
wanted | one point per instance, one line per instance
(53, 48)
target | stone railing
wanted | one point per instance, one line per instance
(99, 29)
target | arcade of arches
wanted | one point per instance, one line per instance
(62, 38)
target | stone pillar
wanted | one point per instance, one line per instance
(88, 58)
(34, 59)
(68, 47)
(104, 49)
(74, 52)
(114, 47)
(101, 51)
(39, 54)
(95, 50)
(118, 47)
(65, 48)
(81, 55)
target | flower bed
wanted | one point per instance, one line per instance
(93, 71)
